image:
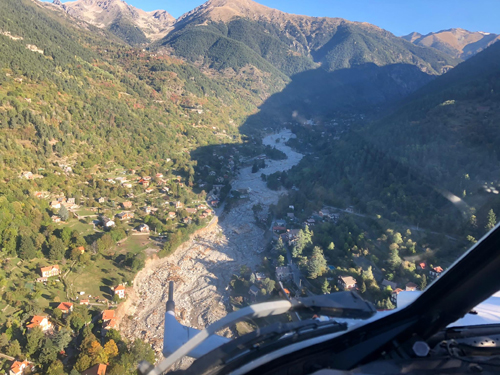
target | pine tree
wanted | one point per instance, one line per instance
(423, 283)
(394, 260)
(27, 249)
(281, 261)
(492, 220)
(325, 288)
(368, 274)
(317, 264)
(63, 213)
(280, 246)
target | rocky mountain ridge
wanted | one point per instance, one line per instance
(113, 14)
(456, 42)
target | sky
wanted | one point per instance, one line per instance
(400, 17)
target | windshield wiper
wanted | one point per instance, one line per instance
(262, 341)
(343, 304)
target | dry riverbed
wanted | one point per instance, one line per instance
(202, 268)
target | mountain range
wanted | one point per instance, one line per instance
(458, 43)
(133, 25)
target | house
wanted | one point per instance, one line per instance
(208, 212)
(191, 211)
(278, 229)
(147, 209)
(127, 204)
(101, 200)
(201, 207)
(334, 217)
(292, 235)
(187, 220)
(71, 201)
(149, 190)
(259, 276)
(178, 205)
(253, 291)
(84, 302)
(144, 183)
(324, 212)
(280, 223)
(50, 271)
(290, 215)
(41, 280)
(411, 287)
(107, 222)
(283, 273)
(346, 282)
(55, 204)
(310, 222)
(143, 228)
(394, 295)
(387, 283)
(65, 307)
(435, 272)
(159, 175)
(147, 178)
(119, 291)
(99, 369)
(108, 319)
(55, 219)
(172, 215)
(214, 203)
(125, 215)
(27, 175)
(19, 368)
(41, 322)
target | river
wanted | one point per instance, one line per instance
(202, 267)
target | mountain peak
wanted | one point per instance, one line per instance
(225, 10)
(457, 42)
(106, 13)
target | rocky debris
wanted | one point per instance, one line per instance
(203, 266)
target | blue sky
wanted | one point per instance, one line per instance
(398, 16)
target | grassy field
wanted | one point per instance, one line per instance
(97, 278)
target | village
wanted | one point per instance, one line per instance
(250, 256)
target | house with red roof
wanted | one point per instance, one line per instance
(65, 307)
(435, 272)
(411, 287)
(99, 369)
(19, 368)
(119, 291)
(41, 322)
(108, 320)
(49, 271)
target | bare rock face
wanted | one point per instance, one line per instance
(455, 42)
(105, 13)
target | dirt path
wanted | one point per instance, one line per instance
(202, 267)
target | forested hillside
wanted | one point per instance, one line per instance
(88, 126)
(434, 161)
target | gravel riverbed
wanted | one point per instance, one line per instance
(202, 267)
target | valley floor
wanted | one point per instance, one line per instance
(202, 267)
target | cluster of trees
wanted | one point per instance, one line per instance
(122, 357)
